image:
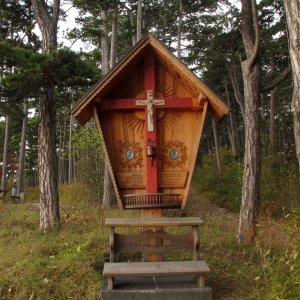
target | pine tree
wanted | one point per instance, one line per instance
(251, 78)
(47, 157)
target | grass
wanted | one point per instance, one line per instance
(67, 263)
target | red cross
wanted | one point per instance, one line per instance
(149, 105)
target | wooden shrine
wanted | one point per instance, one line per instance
(150, 111)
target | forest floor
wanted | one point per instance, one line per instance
(67, 263)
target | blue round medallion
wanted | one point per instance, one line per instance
(174, 154)
(129, 155)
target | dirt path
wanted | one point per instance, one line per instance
(198, 205)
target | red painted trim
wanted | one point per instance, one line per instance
(117, 104)
(184, 103)
(130, 103)
(149, 74)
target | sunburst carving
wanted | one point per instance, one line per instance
(134, 88)
(135, 120)
(166, 90)
(170, 120)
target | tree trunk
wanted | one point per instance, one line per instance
(104, 43)
(4, 161)
(47, 156)
(231, 128)
(139, 20)
(272, 111)
(47, 161)
(70, 164)
(130, 21)
(114, 37)
(292, 9)
(217, 150)
(21, 163)
(108, 191)
(237, 92)
(272, 122)
(61, 150)
(179, 29)
(231, 140)
(63, 156)
(251, 78)
(74, 166)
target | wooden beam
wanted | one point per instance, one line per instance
(201, 281)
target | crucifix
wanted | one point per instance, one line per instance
(150, 102)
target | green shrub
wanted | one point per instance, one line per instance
(223, 189)
(279, 182)
(89, 158)
(279, 185)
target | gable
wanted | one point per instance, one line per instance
(127, 68)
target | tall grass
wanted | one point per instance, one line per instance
(280, 262)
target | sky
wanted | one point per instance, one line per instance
(65, 25)
(70, 23)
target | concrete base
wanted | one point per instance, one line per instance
(156, 288)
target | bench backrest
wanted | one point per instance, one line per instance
(167, 241)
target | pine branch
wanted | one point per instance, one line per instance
(26, 33)
(280, 77)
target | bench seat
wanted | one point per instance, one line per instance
(168, 268)
(160, 222)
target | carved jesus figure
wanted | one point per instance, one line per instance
(150, 115)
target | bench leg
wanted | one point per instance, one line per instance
(110, 281)
(201, 281)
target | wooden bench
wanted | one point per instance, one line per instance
(188, 241)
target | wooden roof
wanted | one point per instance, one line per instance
(83, 110)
